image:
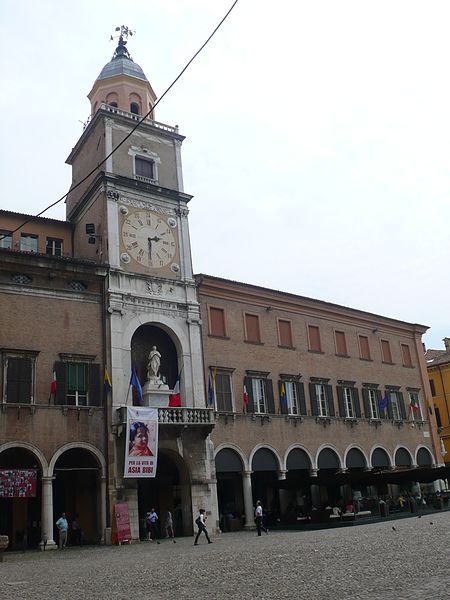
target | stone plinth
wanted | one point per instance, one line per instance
(156, 396)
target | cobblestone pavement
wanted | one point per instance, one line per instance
(366, 562)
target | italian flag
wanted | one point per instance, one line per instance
(53, 386)
(413, 403)
(175, 397)
(245, 397)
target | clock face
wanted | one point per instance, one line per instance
(149, 239)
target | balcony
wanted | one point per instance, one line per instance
(134, 117)
(172, 419)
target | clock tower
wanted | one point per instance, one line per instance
(130, 213)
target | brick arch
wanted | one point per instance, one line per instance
(33, 449)
(78, 446)
(235, 448)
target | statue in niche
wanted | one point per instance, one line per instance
(154, 363)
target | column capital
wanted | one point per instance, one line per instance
(282, 474)
(48, 479)
(313, 472)
(247, 473)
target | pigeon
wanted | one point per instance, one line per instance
(419, 517)
(431, 522)
(393, 528)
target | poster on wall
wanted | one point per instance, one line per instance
(18, 483)
(141, 445)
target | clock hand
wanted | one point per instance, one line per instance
(154, 239)
(149, 250)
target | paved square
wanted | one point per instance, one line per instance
(362, 562)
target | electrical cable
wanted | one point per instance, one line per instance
(72, 188)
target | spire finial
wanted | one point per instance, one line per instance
(121, 49)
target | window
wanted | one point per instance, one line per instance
(259, 395)
(28, 243)
(364, 348)
(252, 333)
(433, 389)
(321, 400)
(222, 387)
(134, 108)
(415, 409)
(386, 356)
(5, 239)
(77, 382)
(406, 356)
(291, 397)
(314, 338)
(373, 404)
(341, 344)
(18, 373)
(145, 168)
(54, 246)
(438, 417)
(349, 411)
(284, 333)
(217, 321)
(395, 406)
(321, 395)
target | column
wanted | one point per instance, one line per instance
(315, 490)
(102, 509)
(47, 542)
(248, 500)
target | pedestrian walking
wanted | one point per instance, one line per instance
(200, 521)
(168, 524)
(151, 525)
(62, 526)
(259, 519)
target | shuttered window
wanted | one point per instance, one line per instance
(78, 384)
(406, 355)
(252, 333)
(386, 352)
(145, 168)
(364, 348)
(19, 377)
(314, 338)
(222, 387)
(341, 344)
(217, 321)
(285, 333)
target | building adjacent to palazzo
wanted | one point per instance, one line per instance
(438, 365)
(98, 291)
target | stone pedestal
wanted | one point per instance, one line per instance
(156, 395)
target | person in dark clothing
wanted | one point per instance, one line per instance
(259, 519)
(200, 522)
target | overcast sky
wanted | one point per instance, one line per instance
(317, 135)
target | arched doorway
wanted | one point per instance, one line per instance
(144, 338)
(229, 490)
(76, 491)
(328, 464)
(20, 513)
(265, 468)
(169, 490)
(295, 491)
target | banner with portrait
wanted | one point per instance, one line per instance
(141, 445)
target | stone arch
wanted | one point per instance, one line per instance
(237, 450)
(379, 452)
(403, 457)
(328, 453)
(327, 447)
(78, 446)
(33, 449)
(422, 455)
(268, 448)
(165, 323)
(294, 447)
(135, 103)
(359, 450)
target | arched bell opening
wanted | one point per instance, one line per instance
(170, 491)
(20, 498)
(76, 491)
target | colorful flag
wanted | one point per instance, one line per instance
(53, 387)
(283, 396)
(245, 398)
(383, 402)
(134, 381)
(414, 403)
(107, 386)
(175, 397)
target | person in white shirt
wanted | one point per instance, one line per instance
(62, 526)
(259, 519)
(200, 522)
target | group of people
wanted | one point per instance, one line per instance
(76, 534)
(151, 524)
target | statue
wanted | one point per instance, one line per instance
(154, 362)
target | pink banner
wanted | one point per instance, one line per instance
(18, 483)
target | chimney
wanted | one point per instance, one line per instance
(446, 341)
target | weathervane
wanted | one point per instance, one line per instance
(123, 36)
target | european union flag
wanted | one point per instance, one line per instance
(383, 402)
(134, 381)
(210, 392)
(283, 396)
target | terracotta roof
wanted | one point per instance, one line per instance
(437, 357)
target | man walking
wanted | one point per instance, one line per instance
(152, 528)
(62, 526)
(259, 519)
(200, 521)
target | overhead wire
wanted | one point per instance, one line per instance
(74, 187)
